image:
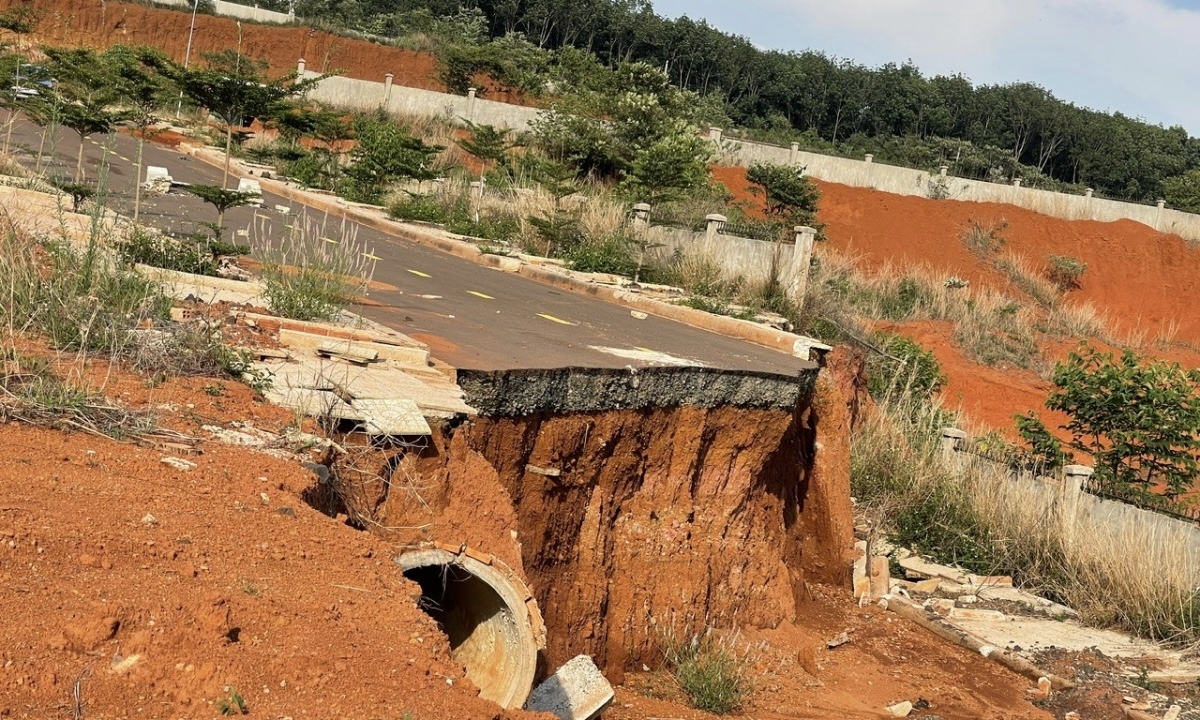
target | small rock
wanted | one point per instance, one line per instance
(149, 520)
(178, 463)
(286, 512)
(968, 599)
(638, 314)
(941, 606)
(900, 709)
(264, 498)
(841, 639)
(1172, 712)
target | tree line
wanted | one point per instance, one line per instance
(830, 104)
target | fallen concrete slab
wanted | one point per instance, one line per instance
(577, 691)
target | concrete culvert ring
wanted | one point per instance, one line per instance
(487, 613)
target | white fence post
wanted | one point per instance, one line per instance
(715, 223)
(387, 89)
(952, 441)
(641, 216)
(801, 260)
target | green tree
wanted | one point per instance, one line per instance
(222, 199)
(385, 153)
(143, 89)
(1183, 191)
(487, 143)
(237, 89)
(1138, 418)
(86, 93)
(789, 195)
(672, 166)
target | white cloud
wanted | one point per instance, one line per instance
(1136, 56)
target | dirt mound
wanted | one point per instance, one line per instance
(165, 590)
(101, 25)
(1143, 279)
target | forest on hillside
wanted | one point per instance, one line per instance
(828, 104)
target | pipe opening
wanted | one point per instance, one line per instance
(484, 617)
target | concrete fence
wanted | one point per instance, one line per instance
(367, 95)
(756, 261)
(1073, 492)
(865, 173)
(234, 10)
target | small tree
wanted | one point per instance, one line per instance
(87, 95)
(670, 167)
(1183, 191)
(144, 90)
(1065, 271)
(384, 154)
(222, 199)
(236, 88)
(487, 143)
(1139, 419)
(789, 195)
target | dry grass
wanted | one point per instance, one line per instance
(1137, 571)
(1027, 279)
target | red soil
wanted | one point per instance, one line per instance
(304, 616)
(1142, 280)
(101, 25)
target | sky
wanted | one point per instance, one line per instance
(1138, 57)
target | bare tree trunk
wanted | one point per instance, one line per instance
(228, 153)
(12, 120)
(137, 181)
(37, 168)
(79, 161)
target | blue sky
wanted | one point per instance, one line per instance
(1139, 57)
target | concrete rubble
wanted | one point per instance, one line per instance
(1009, 618)
(577, 691)
(354, 370)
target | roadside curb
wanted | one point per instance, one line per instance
(779, 340)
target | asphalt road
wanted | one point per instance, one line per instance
(471, 316)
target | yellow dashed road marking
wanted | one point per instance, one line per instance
(560, 321)
(479, 294)
(418, 273)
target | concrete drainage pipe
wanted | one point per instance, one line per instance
(488, 614)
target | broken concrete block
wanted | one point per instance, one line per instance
(941, 606)
(862, 587)
(158, 180)
(991, 580)
(577, 691)
(916, 565)
(860, 559)
(247, 185)
(927, 586)
(1172, 712)
(900, 709)
(880, 577)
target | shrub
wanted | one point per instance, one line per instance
(710, 670)
(1042, 452)
(984, 240)
(1139, 419)
(418, 208)
(195, 253)
(907, 367)
(384, 154)
(1065, 271)
(789, 195)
